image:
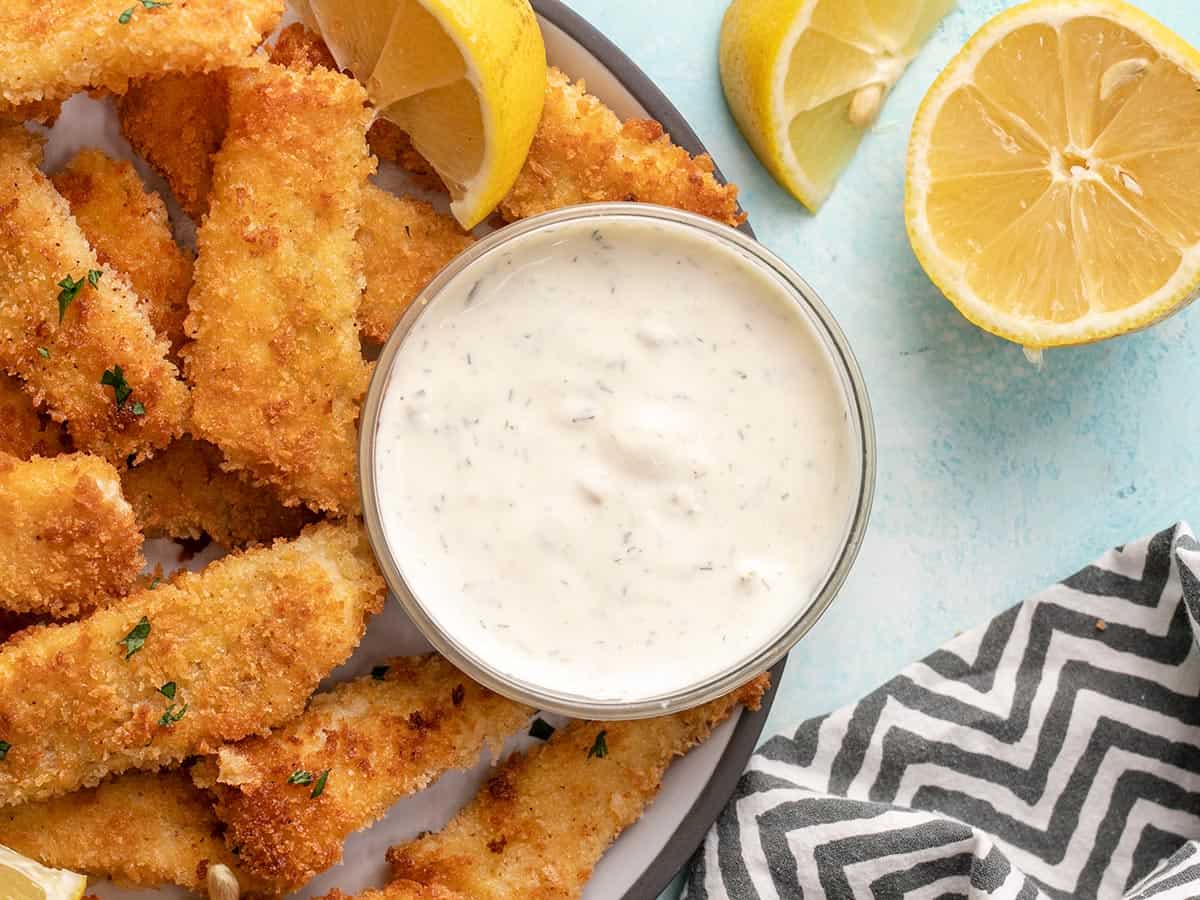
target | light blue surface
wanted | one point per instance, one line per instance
(994, 478)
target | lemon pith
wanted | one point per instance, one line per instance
(1048, 186)
(805, 80)
(466, 79)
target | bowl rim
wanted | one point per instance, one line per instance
(739, 671)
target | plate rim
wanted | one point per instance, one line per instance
(679, 848)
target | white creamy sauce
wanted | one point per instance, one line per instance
(614, 460)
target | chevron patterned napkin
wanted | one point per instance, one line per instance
(1055, 752)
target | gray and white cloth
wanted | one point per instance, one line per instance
(1054, 752)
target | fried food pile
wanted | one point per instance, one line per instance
(156, 729)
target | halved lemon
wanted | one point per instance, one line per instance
(1053, 189)
(465, 78)
(23, 879)
(805, 79)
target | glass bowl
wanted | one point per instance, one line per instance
(737, 671)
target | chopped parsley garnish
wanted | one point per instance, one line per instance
(94, 277)
(300, 776)
(127, 15)
(379, 672)
(70, 289)
(115, 379)
(5, 746)
(168, 690)
(319, 787)
(541, 729)
(155, 583)
(170, 716)
(599, 746)
(43, 353)
(136, 639)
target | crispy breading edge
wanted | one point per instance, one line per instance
(381, 737)
(246, 642)
(143, 829)
(68, 539)
(583, 153)
(275, 363)
(405, 243)
(184, 493)
(50, 51)
(128, 228)
(24, 432)
(541, 823)
(61, 364)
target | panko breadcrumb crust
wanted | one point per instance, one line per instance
(538, 826)
(68, 540)
(128, 228)
(380, 738)
(49, 51)
(62, 363)
(275, 365)
(246, 642)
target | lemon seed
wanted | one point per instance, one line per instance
(865, 105)
(1120, 74)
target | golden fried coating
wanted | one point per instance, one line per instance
(582, 154)
(401, 890)
(301, 49)
(143, 829)
(542, 822)
(128, 228)
(276, 367)
(68, 539)
(43, 111)
(49, 51)
(237, 648)
(176, 124)
(24, 432)
(405, 243)
(184, 493)
(63, 364)
(379, 739)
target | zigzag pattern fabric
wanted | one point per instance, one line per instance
(1053, 753)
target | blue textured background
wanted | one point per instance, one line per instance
(994, 478)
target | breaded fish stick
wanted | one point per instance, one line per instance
(583, 153)
(405, 243)
(128, 228)
(184, 668)
(176, 124)
(143, 829)
(540, 824)
(68, 539)
(23, 431)
(83, 347)
(276, 366)
(49, 51)
(184, 493)
(379, 738)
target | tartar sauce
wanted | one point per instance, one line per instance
(614, 460)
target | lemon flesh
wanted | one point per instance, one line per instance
(805, 81)
(1052, 175)
(465, 78)
(23, 879)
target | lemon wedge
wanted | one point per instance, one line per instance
(465, 78)
(1052, 173)
(23, 879)
(805, 81)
